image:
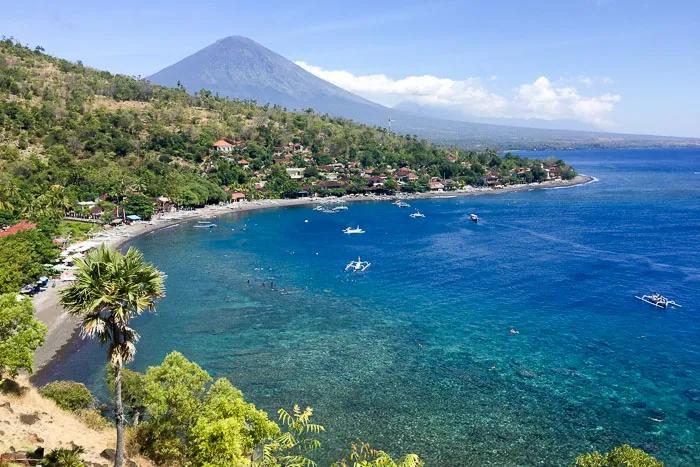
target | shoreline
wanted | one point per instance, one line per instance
(62, 328)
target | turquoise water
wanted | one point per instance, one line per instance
(416, 353)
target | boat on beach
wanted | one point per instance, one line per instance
(350, 230)
(658, 300)
(358, 266)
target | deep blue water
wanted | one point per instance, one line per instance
(416, 354)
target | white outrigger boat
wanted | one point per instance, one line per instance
(658, 301)
(401, 204)
(205, 225)
(357, 266)
(356, 230)
(473, 217)
(342, 207)
(416, 214)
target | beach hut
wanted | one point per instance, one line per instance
(133, 218)
(237, 197)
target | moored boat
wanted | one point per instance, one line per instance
(658, 300)
(473, 217)
(356, 230)
(358, 266)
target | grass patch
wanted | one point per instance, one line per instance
(76, 230)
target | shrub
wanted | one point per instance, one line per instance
(62, 457)
(69, 395)
(621, 456)
(94, 420)
(363, 455)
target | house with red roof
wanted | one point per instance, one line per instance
(21, 226)
(223, 146)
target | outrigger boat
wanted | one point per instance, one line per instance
(356, 230)
(417, 214)
(658, 301)
(357, 266)
(473, 217)
(205, 225)
(340, 208)
(401, 204)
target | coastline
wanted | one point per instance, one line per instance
(63, 328)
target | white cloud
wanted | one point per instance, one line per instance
(541, 99)
(469, 94)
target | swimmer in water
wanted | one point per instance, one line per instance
(514, 331)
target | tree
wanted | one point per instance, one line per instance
(292, 446)
(23, 256)
(109, 290)
(621, 456)
(228, 428)
(140, 205)
(192, 420)
(20, 335)
(173, 394)
(363, 455)
(133, 392)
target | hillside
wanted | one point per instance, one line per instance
(31, 421)
(71, 133)
(240, 68)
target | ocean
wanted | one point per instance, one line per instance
(416, 354)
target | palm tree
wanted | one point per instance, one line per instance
(110, 289)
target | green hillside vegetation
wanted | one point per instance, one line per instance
(98, 134)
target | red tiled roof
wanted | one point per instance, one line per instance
(222, 143)
(18, 227)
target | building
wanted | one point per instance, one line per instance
(244, 163)
(295, 173)
(164, 204)
(237, 197)
(223, 146)
(21, 226)
(492, 178)
(436, 185)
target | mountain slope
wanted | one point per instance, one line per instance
(240, 68)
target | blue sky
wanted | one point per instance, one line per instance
(631, 66)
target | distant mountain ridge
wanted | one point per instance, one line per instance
(240, 68)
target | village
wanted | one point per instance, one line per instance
(340, 177)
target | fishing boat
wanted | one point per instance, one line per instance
(357, 266)
(401, 204)
(356, 230)
(658, 300)
(473, 217)
(416, 214)
(340, 208)
(204, 225)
